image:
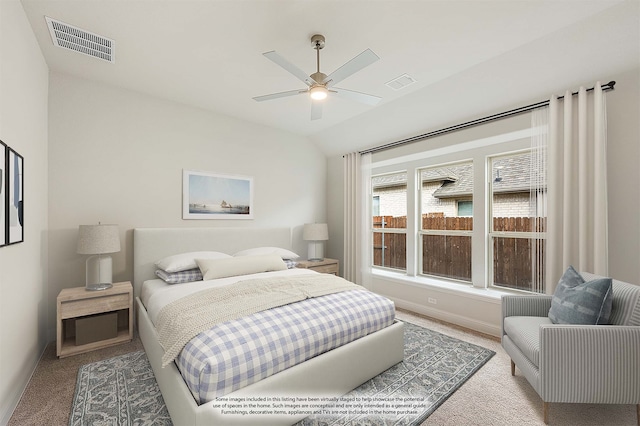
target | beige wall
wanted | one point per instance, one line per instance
(23, 126)
(117, 156)
(482, 313)
(623, 144)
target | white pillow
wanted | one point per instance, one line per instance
(185, 261)
(260, 251)
(221, 268)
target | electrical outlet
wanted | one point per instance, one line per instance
(432, 300)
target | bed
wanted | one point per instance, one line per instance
(332, 373)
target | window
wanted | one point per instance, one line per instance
(375, 205)
(445, 236)
(390, 220)
(465, 208)
(478, 212)
(518, 221)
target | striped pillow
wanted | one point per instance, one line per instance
(180, 277)
(290, 263)
(578, 302)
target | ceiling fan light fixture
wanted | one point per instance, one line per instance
(318, 93)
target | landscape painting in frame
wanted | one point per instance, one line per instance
(216, 196)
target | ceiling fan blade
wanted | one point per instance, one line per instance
(288, 66)
(356, 96)
(354, 65)
(278, 95)
(316, 110)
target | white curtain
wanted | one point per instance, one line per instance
(357, 182)
(577, 220)
(537, 193)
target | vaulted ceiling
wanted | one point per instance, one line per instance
(466, 57)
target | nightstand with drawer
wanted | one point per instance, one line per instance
(326, 266)
(89, 320)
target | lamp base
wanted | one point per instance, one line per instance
(96, 287)
(99, 273)
(316, 249)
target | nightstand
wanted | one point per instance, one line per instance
(326, 266)
(89, 320)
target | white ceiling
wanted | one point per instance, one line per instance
(468, 57)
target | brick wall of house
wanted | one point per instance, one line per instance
(511, 205)
(393, 202)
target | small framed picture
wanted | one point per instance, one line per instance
(216, 196)
(4, 224)
(15, 207)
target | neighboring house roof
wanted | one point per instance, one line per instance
(515, 175)
(386, 181)
(446, 174)
(461, 187)
(400, 179)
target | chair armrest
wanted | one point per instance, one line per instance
(590, 364)
(525, 306)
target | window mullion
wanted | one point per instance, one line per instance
(479, 240)
(412, 222)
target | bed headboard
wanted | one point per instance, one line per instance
(152, 244)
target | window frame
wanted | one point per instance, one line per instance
(384, 230)
(493, 234)
(441, 232)
(478, 151)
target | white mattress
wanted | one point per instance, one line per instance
(156, 293)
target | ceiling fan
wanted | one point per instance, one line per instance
(319, 85)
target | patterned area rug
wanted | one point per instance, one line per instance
(123, 390)
(118, 391)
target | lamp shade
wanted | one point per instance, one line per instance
(315, 232)
(98, 239)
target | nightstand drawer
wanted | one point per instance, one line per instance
(326, 269)
(78, 308)
(325, 266)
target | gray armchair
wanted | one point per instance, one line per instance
(597, 364)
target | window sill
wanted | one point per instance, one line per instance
(486, 294)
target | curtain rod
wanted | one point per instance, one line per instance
(609, 86)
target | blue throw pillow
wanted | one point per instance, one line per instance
(578, 302)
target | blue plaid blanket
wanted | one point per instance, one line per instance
(237, 353)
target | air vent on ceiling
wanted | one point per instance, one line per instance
(76, 39)
(400, 82)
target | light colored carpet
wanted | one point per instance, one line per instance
(490, 397)
(49, 395)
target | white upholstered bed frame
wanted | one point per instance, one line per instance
(333, 373)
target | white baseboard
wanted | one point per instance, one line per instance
(473, 324)
(14, 399)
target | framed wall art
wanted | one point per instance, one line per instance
(216, 196)
(15, 192)
(3, 195)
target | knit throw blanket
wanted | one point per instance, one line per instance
(183, 319)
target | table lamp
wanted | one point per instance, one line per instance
(315, 233)
(98, 240)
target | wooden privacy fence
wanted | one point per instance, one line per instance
(516, 261)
